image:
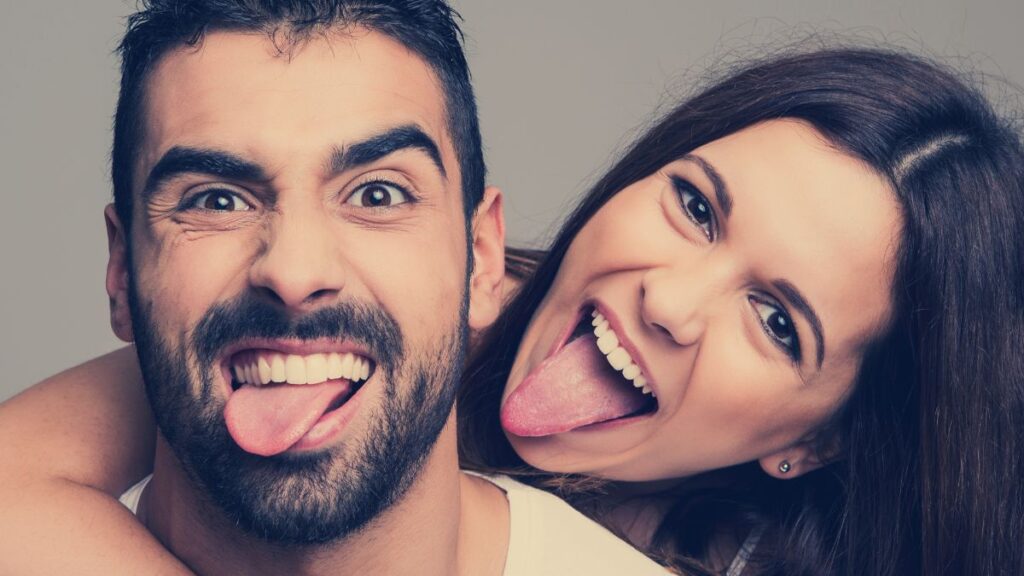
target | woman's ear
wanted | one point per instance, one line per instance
(117, 275)
(800, 458)
(485, 284)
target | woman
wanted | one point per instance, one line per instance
(919, 456)
(804, 355)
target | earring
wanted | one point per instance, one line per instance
(785, 467)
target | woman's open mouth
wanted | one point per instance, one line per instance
(590, 380)
(619, 360)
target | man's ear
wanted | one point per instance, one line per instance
(485, 284)
(117, 275)
(798, 459)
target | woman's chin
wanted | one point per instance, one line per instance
(557, 453)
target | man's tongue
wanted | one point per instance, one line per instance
(573, 388)
(267, 420)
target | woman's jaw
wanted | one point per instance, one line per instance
(693, 314)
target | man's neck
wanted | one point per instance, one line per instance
(445, 524)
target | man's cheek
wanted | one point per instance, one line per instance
(413, 287)
(195, 278)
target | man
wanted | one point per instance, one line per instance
(300, 238)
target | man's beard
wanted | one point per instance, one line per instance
(313, 497)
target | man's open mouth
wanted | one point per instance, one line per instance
(280, 400)
(263, 367)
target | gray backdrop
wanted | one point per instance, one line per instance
(562, 84)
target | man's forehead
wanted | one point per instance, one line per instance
(242, 92)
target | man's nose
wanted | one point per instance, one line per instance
(679, 299)
(301, 264)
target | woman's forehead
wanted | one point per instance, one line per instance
(817, 217)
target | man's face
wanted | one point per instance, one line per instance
(297, 282)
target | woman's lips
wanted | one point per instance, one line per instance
(588, 380)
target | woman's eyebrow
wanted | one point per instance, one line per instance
(717, 182)
(786, 288)
(801, 304)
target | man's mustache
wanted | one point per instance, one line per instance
(249, 317)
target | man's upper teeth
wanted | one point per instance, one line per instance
(617, 356)
(265, 367)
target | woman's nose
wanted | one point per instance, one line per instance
(677, 300)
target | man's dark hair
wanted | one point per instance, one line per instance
(429, 28)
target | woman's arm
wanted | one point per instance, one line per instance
(68, 446)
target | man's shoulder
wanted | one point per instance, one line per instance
(548, 536)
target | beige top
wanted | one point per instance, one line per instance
(547, 537)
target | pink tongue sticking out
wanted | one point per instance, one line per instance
(573, 388)
(267, 420)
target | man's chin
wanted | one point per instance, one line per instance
(336, 459)
(357, 460)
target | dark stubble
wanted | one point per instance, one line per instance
(309, 498)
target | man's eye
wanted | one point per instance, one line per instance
(778, 325)
(378, 195)
(696, 206)
(218, 201)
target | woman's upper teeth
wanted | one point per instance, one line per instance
(617, 356)
(265, 367)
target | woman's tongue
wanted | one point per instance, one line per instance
(573, 388)
(267, 420)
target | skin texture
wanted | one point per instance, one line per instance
(189, 254)
(799, 208)
(56, 418)
(727, 392)
(800, 211)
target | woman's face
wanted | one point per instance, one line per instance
(742, 284)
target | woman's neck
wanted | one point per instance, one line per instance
(636, 509)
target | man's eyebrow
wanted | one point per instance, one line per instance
(186, 160)
(717, 182)
(384, 144)
(797, 301)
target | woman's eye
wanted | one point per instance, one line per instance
(378, 195)
(218, 201)
(696, 206)
(778, 325)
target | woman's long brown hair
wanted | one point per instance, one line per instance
(929, 447)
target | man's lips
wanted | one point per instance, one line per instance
(263, 367)
(297, 347)
(283, 399)
(262, 362)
